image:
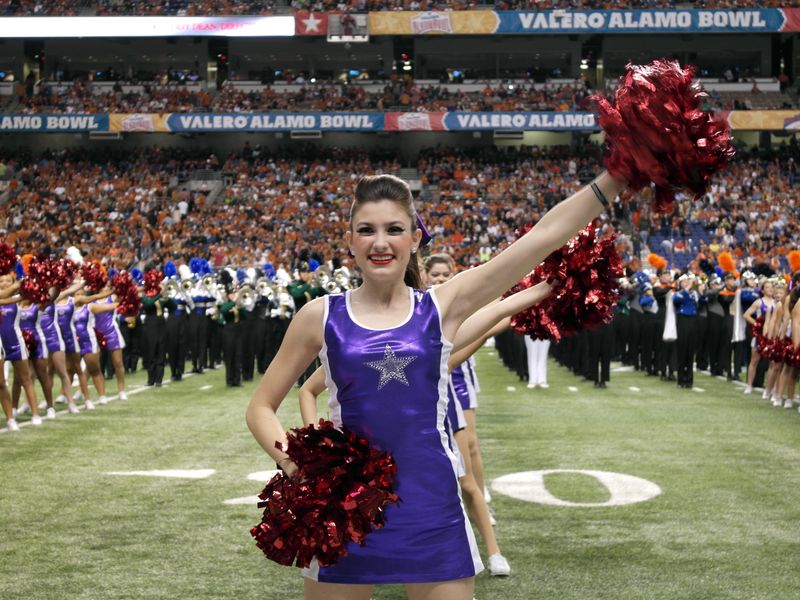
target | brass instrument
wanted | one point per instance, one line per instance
(341, 279)
(265, 288)
(209, 280)
(187, 285)
(331, 287)
(171, 288)
(246, 298)
(321, 278)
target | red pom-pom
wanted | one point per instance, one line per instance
(127, 293)
(30, 342)
(65, 272)
(152, 282)
(8, 258)
(337, 496)
(657, 131)
(94, 275)
(758, 336)
(587, 272)
(101, 339)
(33, 292)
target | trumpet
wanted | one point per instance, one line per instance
(187, 285)
(246, 298)
(265, 288)
(171, 288)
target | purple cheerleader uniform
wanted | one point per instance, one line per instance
(13, 342)
(30, 321)
(106, 324)
(84, 328)
(461, 384)
(52, 333)
(390, 386)
(66, 326)
(473, 373)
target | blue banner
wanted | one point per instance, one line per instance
(53, 123)
(275, 122)
(529, 121)
(641, 21)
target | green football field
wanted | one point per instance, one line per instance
(726, 523)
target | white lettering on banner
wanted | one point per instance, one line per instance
(745, 19)
(29, 122)
(531, 121)
(345, 122)
(71, 122)
(623, 489)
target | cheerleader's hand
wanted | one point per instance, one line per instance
(287, 466)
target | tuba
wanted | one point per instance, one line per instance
(209, 280)
(265, 288)
(171, 288)
(187, 285)
(246, 298)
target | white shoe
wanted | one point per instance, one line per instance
(123, 395)
(26, 408)
(765, 395)
(72, 409)
(544, 385)
(12, 425)
(13, 413)
(487, 497)
(102, 400)
(531, 386)
(498, 566)
(51, 413)
(78, 396)
(61, 399)
(42, 405)
(36, 420)
(88, 405)
(788, 403)
(776, 401)
(748, 389)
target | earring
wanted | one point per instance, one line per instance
(413, 251)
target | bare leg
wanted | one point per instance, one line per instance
(5, 399)
(119, 370)
(93, 367)
(43, 375)
(474, 501)
(752, 367)
(474, 448)
(456, 589)
(22, 377)
(74, 362)
(315, 590)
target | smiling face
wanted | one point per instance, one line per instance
(6, 281)
(381, 238)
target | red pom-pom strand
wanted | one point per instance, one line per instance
(152, 282)
(94, 275)
(30, 342)
(586, 273)
(337, 496)
(127, 294)
(656, 131)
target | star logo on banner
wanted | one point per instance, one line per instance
(312, 23)
(391, 367)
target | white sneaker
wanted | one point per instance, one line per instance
(765, 395)
(788, 403)
(102, 400)
(776, 401)
(487, 497)
(72, 409)
(123, 395)
(61, 399)
(36, 420)
(12, 425)
(531, 386)
(42, 405)
(88, 405)
(26, 408)
(498, 566)
(748, 389)
(545, 386)
(78, 396)
(51, 413)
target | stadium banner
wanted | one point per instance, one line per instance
(479, 22)
(350, 121)
(763, 120)
(53, 123)
(310, 23)
(491, 121)
(131, 27)
(138, 123)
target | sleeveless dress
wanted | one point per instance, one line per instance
(52, 333)
(84, 328)
(30, 321)
(13, 342)
(64, 313)
(462, 387)
(390, 386)
(106, 324)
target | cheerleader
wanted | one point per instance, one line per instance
(378, 343)
(14, 345)
(686, 302)
(30, 322)
(56, 348)
(786, 379)
(65, 310)
(7, 296)
(758, 310)
(86, 307)
(772, 326)
(107, 326)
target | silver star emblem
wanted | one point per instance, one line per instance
(391, 367)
